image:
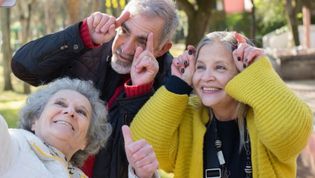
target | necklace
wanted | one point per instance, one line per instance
(223, 171)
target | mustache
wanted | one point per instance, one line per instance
(120, 52)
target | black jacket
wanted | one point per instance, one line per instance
(64, 54)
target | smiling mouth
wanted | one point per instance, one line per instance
(210, 89)
(122, 57)
(64, 123)
(125, 59)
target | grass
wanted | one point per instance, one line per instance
(11, 101)
(10, 104)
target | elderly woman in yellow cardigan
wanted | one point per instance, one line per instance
(243, 121)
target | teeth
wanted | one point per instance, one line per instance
(64, 123)
(210, 89)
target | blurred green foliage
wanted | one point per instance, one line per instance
(270, 15)
(10, 104)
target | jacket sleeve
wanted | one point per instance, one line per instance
(132, 174)
(282, 121)
(44, 59)
(158, 122)
(6, 148)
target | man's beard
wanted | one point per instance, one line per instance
(120, 66)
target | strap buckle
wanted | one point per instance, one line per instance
(213, 173)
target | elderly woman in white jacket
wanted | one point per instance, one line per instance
(60, 125)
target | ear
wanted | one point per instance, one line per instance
(83, 145)
(33, 125)
(166, 47)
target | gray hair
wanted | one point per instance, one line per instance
(224, 37)
(165, 9)
(229, 41)
(99, 129)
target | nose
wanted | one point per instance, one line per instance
(69, 111)
(208, 76)
(128, 47)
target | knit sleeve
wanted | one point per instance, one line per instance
(5, 146)
(158, 122)
(282, 121)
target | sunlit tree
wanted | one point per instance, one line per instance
(198, 13)
(6, 48)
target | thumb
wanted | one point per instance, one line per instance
(127, 135)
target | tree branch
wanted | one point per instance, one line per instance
(186, 6)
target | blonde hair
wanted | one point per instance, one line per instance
(229, 41)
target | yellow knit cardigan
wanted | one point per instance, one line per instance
(279, 125)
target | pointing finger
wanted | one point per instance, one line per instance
(127, 135)
(122, 18)
(138, 52)
(149, 45)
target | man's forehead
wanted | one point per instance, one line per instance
(141, 25)
(138, 33)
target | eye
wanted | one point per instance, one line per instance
(82, 112)
(61, 103)
(142, 44)
(121, 31)
(220, 67)
(200, 67)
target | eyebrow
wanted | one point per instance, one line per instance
(79, 106)
(139, 38)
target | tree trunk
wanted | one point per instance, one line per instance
(196, 28)
(103, 6)
(96, 6)
(50, 14)
(306, 25)
(6, 48)
(25, 19)
(198, 18)
(74, 11)
(253, 26)
(292, 21)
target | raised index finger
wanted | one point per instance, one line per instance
(149, 45)
(122, 18)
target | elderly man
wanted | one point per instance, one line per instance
(114, 53)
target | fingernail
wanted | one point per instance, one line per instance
(244, 66)
(186, 63)
(190, 52)
(182, 70)
(234, 47)
(239, 58)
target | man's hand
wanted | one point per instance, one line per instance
(102, 26)
(140, 155)
(144, 66)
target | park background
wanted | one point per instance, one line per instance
(285, 28)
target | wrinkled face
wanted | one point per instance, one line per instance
(132, 34)
(214, 68)
(64, 121)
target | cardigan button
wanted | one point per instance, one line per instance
(75, 47)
